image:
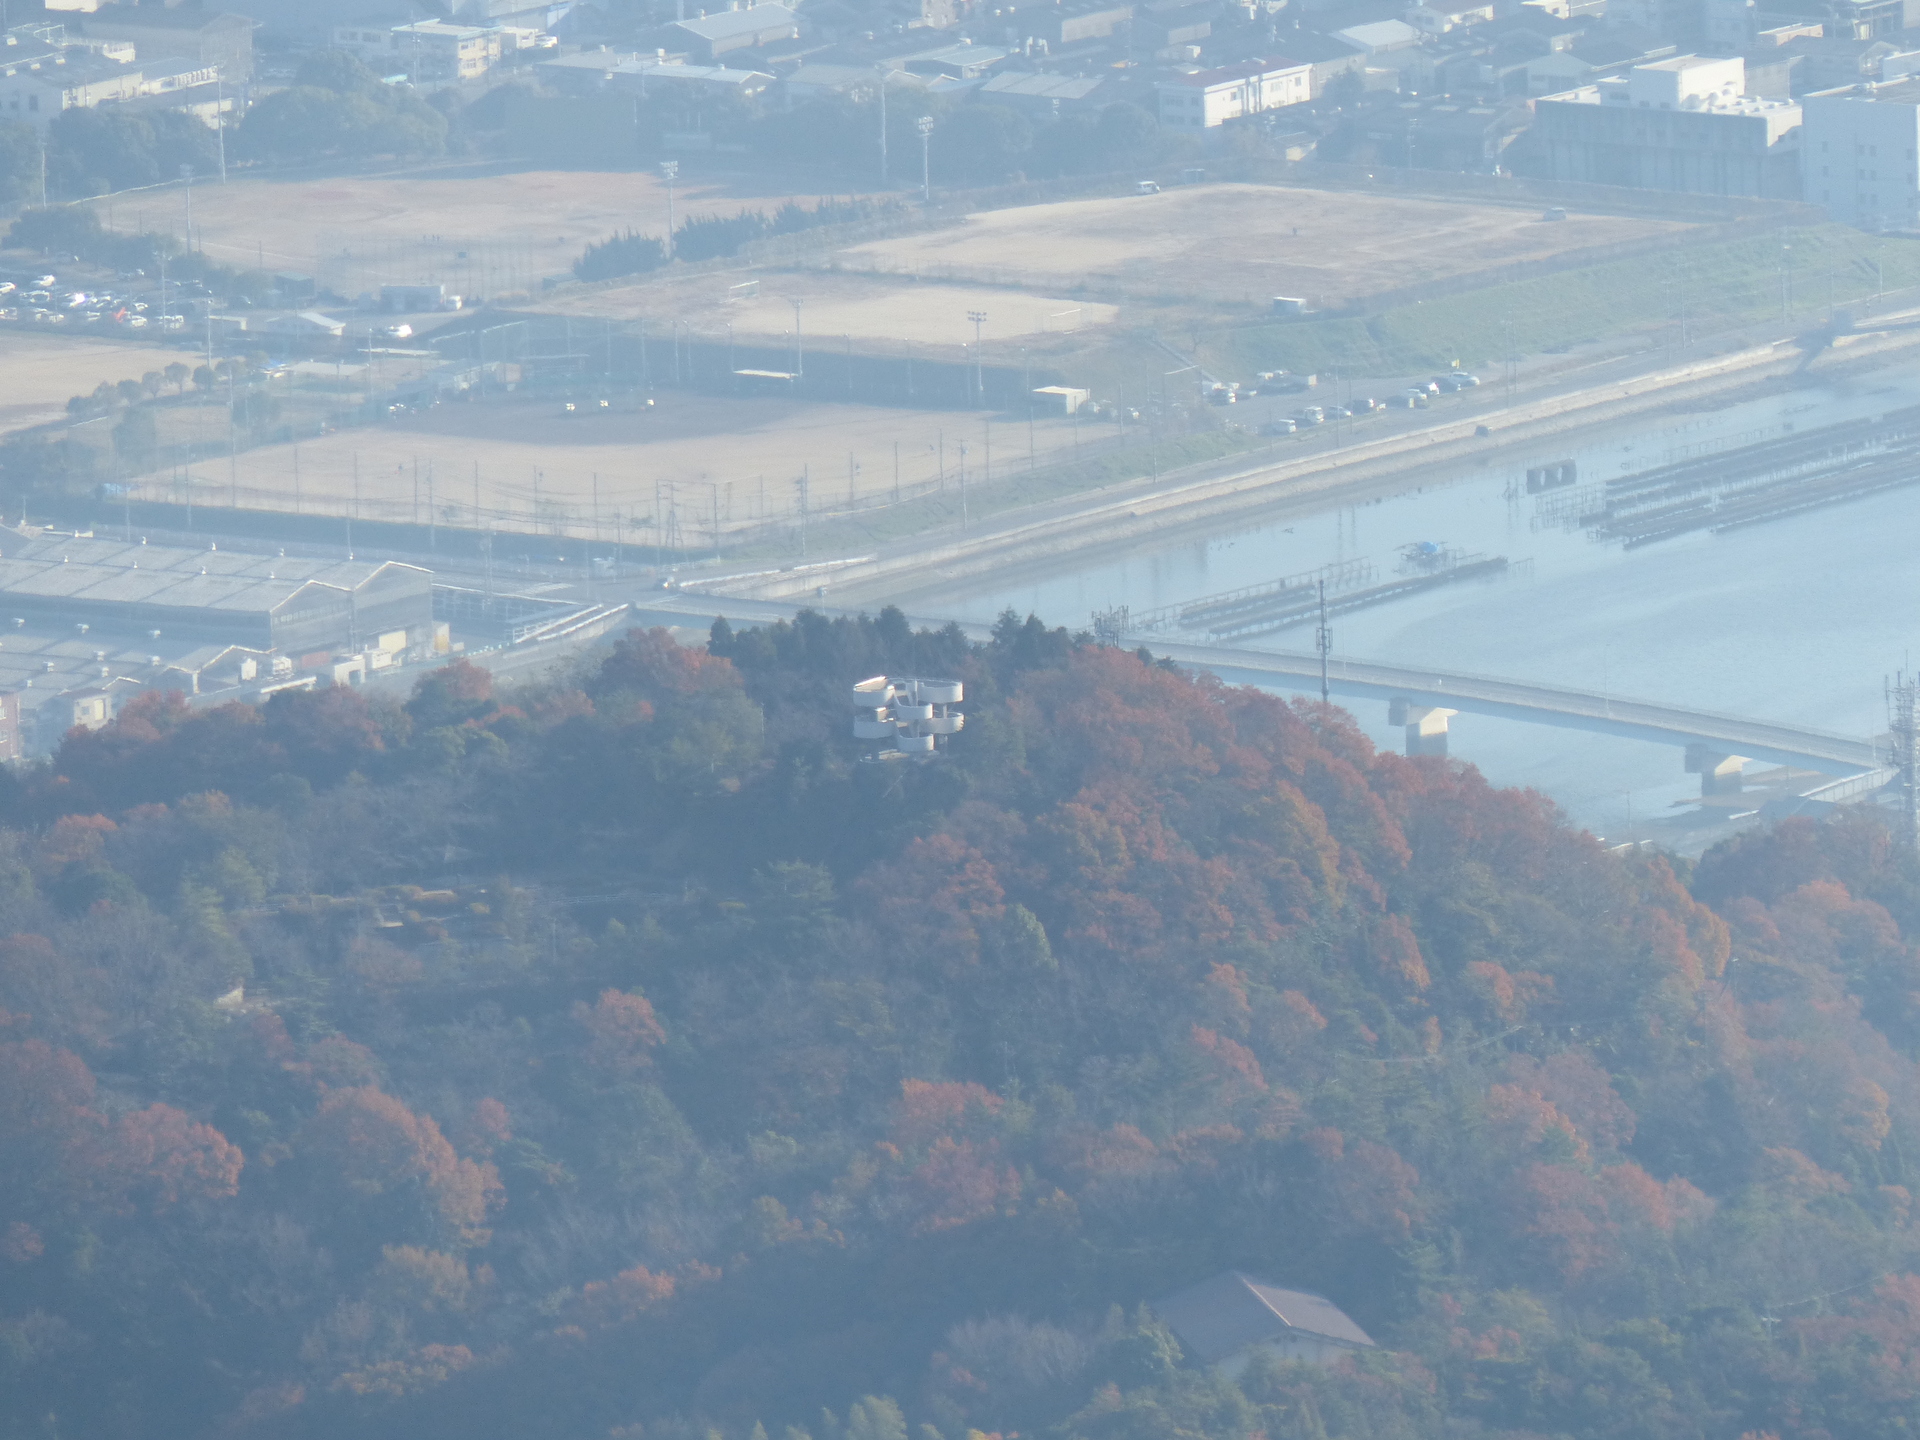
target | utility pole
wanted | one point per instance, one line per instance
(925, 125)
(1323, 642)
(670, 169)
(1902, 692)
(799, 349)
(883, 126)
(186, 174)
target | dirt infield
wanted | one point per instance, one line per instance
(1245, 241)
(43, 372)
(480, 235)
(871, 309)
(746, 456)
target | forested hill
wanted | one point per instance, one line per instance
(619, 1057)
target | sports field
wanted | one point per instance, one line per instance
(44, 371)
(689, 452)
(480, 234)
(835, 306)
(1246, 242)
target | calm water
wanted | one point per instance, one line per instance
(1797, 621)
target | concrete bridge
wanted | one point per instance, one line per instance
(1423, 700)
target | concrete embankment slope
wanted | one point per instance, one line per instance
(1125, 516)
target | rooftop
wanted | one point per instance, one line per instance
(1245, 70)
(1043, 86)
(1223, 1315)
(1380, 35)
(160, 17)
(115, 572)
(728, 23)
(707, 74)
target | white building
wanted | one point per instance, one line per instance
(1690, 82)
(1857, 155)
(1683, 124)
(1213, 97)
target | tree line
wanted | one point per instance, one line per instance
(621, 1054)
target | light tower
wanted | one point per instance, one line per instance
(1903, 691)
(925, 125)
(979, 318)
(670, 169)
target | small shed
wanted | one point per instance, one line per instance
(1223, 1322)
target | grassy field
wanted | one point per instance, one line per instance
(1716, 288)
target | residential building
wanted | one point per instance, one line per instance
(306, 325)
(1683, 124)
(163, 32)
(1857, 155)
(1097, 23)
(36, 90)
(1436, 134)
(965, 61)
(858, 82)
(711, 36)
(1210, 98)
(1044, 94)
(1223, 1322)
(1380, 37)
(436, 51)
(663, 78)
(1327, 57)
(1443, 19)
(89, 707)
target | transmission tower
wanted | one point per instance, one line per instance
(1903, 694)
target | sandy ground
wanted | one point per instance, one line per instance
(486, 235)
(690, 452)
(39, 373)
(1245, 240)
(834, 306)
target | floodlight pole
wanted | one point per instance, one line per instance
(883, 126)
(799, 350)
(670, 169)
(925, 126)
(979, 318)
(1323, 642)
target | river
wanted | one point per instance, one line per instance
(1798, 620)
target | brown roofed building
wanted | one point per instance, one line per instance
(1224, 1322)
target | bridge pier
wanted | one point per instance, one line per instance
(1426, 726)
(1720, 773)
